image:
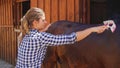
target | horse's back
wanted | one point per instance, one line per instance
(95, 51)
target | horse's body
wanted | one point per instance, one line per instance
(95, 51)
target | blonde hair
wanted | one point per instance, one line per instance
(27, 20)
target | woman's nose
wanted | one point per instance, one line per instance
(47, 23)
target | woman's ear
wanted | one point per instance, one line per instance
(34, 23)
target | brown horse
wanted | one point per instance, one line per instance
(95, 51)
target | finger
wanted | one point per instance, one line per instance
(105, 27)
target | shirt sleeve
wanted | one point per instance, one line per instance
(54, 40)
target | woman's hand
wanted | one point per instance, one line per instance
(83, 34)
(46, 28)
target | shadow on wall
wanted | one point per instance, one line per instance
(104, 9)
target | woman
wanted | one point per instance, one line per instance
(34, 40)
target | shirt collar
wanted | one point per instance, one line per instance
(33, 30)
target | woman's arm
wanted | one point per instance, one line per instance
(52, 40)
(82, 34)
(48, 39)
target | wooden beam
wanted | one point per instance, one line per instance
(21, 0)
(33, 3)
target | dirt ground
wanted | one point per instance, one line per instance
(4, 64)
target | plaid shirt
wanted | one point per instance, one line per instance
(32, 49)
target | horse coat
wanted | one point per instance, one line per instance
(95, 51)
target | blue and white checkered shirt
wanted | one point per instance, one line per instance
(32, 49)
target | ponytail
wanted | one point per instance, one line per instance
(24, 28)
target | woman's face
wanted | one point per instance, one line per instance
(41, 24)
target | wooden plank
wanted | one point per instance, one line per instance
(14, 7)
(62, 10)
(2, 12)
(84, 11)
(21, 0)
(47, 10)
(14, 51)
(9, 45)
(77, 3)
(13, 46)
(70, 10)
(9, 13)
(11, 37)
(81, 11)
(8, 40)
(19, 13)
(0, 42)
(7, 48)
(1, 29)
(4, 31)
(2, 45)
(5, 23)
(88, 11)
(33, 3)
(40, 4)
(9, 32)
(54, 10)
